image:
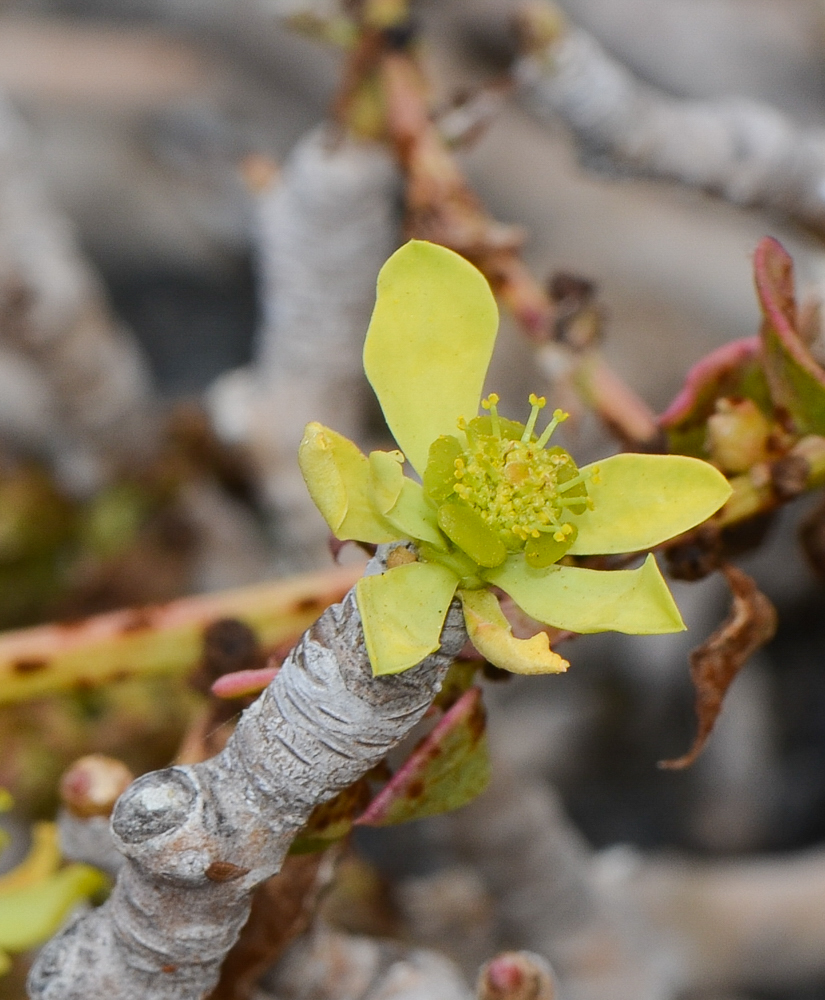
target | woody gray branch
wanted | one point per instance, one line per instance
(86, 371)
(198, 839)
(744, 151)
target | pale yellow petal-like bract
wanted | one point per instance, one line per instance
(492, 636)
(338, 478)
(642, 500)
(635, 601)
(403, 612)
(429, 344)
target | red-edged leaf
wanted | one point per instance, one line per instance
(796, 381)
(714, 665)
(731, 371)
(241, 683)
(332, 820)
(448, 769)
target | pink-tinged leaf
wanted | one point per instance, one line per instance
(332, 820)
(448, 769)
(242, 683)
(795, 380)
(731, 371)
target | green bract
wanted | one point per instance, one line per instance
(496, 505)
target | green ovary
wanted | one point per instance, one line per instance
(505, 491)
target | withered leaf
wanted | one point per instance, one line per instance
(714, 665)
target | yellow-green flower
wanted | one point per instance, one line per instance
(496, 505)
(37, 895)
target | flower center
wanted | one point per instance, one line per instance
(503, 490)
(519, 487)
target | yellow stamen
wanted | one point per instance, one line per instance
(537, 403)
(515, 485)
(559, 416)
(491, 404)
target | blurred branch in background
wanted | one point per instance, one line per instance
(323, 230)
(85, 399)
(746, 152)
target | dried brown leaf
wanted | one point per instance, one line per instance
(714, 665)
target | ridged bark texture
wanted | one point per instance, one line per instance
(198, 839)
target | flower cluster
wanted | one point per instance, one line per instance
(497, 505)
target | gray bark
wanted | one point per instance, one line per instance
(749, 153)
(549, 897)
(54, 318)
(198, 839)
(336, 966)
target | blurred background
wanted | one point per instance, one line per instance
(156, 157)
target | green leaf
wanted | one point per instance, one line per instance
(31, 915)
(429, 344)
(546, 549)
(41, 861)
(471, 533)
(635, 601)
(732, 371)
(414, 516)
(448, 769)
(338, 478)
(641, 500)
(403, 612)
(439, 476)
(492, 636)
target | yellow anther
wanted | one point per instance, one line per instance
(490, 403)
(517, 487)
(537, 402)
